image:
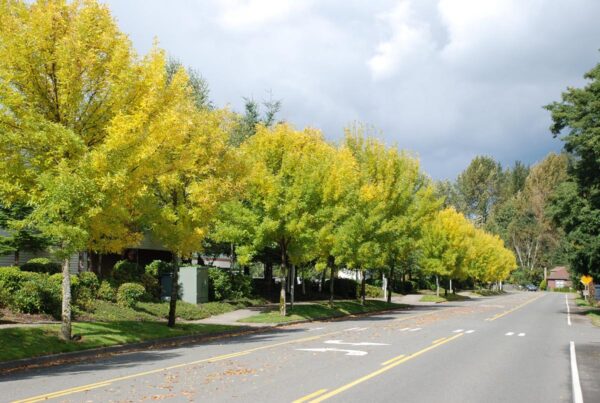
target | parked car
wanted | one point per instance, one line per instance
(531, 287)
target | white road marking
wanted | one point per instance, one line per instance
(509, 333)
(363, 343)
(403, 329)
(568, 310)
(415, 329)
(577, 395)
(356, 329)
(521, 334)
(457, 331)
(323, 350)
(315, 328)
(469, 331)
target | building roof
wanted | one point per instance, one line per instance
(559, 273)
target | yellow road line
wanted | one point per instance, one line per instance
(107, 382)
(310, 396)
(499, 315)
(438, 340)
(393, 359)
(382, 370)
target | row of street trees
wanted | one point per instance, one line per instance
(102, 145)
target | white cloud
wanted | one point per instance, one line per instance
(255, 14)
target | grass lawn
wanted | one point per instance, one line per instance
(441, 298)
(320, 311)
(32, 341)
(592, 312)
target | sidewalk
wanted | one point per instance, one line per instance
(231, 318)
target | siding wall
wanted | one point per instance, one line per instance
(24, 256)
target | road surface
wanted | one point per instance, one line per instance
(511, 348)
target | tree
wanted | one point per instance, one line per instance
(283, 193)
(576, 204)
(19, 237)
(247, 123)
(479, 187)
(72, 93)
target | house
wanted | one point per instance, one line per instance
(559, 277)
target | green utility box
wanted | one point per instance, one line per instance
(193, 284)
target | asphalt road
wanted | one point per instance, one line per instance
(513, 348)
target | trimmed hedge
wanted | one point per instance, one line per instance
(130, 294)
(41, 265)
(125, 271)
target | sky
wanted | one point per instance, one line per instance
(444, 79)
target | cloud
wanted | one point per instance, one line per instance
(446, 79)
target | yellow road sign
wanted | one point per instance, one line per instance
(586, 279)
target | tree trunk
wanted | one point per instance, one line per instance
(65, 328)
(292, 286)
(17, 256)
(284, 274)
(437, 286)
(331, 278)
(363, 294)
(450, 285)
(100, 265)
(174, 291)
(321, 282)
(389, 285)
(303, 284)
(269, 278)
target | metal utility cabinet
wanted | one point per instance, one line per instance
(193, 284)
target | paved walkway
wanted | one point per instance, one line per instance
(231, 318)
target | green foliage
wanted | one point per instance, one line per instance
(107, 291)
(11, 277)
(129, 294)
(38, 295)
(41, 265)
(371, 291)
(158, 268)
(151, 285)
(125, 271)
(5, 295)
(543, 285)
(225, 285)
(86, 291)
(562, 289)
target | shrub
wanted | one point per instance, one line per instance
(130, 294)
(125, 271)
(343, 287)
(41, 265)
(11, 277)
(38, 296)
(107, 291)
(371, 291)
(224, 285)
(543, 285)
(86, 291)
(158, 268)
(151, 285)
(5, 296)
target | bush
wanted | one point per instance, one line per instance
(130, 294)
(563, 289)
(543, 285)
(39, 295)
(342, 287)
(5, 296)
(86, 291)
(125, 271)
(107, 292)
(224, 285)
(11, 277)
(151, 285)
(41, 265)
(371, 291)
(158, 268)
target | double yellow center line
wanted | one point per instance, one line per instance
(320, 395)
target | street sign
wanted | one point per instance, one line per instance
(586, 279)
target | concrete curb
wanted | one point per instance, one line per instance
(73, 357)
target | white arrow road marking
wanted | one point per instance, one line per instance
(457, 331)
(509, 333)
(322, 350)
(364, 343)
(469, 331)
(521, 334)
